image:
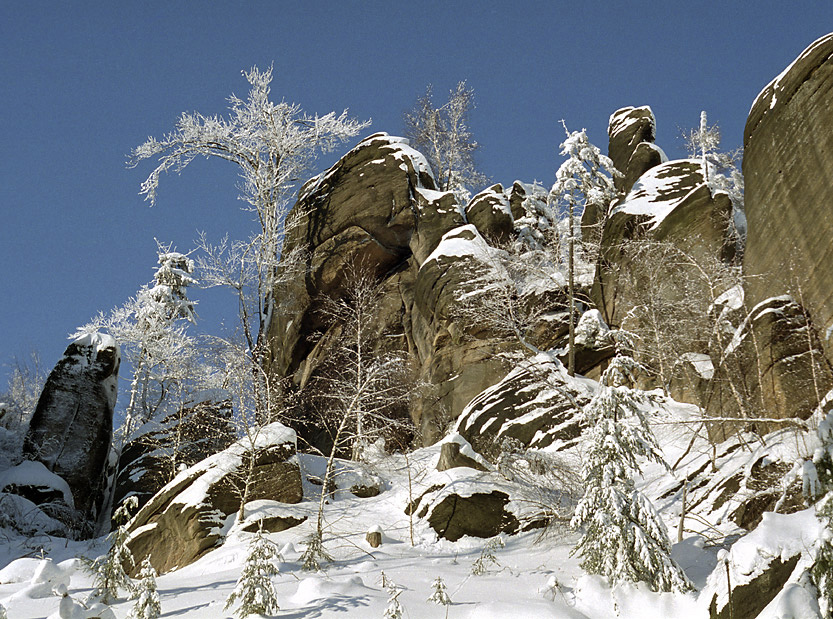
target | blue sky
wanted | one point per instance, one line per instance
(84, 82)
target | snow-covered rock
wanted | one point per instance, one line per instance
(72, 426)
(188, 516)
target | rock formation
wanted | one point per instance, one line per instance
(185, 518)
(198, 429)
(787, 166)
(631, 133)
(377, 208)
(773, 367)
(71, 429)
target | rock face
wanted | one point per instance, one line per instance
(787, 166)
(774, 366)
(631, 134)
(377, 208)
(185, 518)
(670, 203)
(199, 429)
(72, 427)
(535, 404)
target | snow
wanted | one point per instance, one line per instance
(701, 363)
(535, 577)
(461, 242)
(656, 193)
(33, 473)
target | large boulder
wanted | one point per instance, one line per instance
(773, 367)
(537, 404)
(631, 133)
(458, 360)
(72, 427)
(186, 518)
(199, 428)
(787, 166)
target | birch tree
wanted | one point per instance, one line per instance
(443, 135)
(273, 146)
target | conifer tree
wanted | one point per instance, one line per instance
(818, 485)
(147, 599)
(584, 180)
(254, 589)
(394, 608)
(623, 537)
(108, 570)
(439, 594)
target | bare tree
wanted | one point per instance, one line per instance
(273, 145)
(362, 391)
(442, 134)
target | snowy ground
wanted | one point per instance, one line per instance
(535, 575)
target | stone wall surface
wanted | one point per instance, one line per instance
(787, 166)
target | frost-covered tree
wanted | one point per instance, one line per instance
(108, 570)
(394, 609)
(584, 180)
(273, 146)
(818, 486)
(442, 134)
(623, 537)
(720, 168)
(147, 604)
(254, 590)
(439, 594)
(362, 390)
(150, 330)
(18, 401)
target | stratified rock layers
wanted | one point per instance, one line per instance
(787, 165)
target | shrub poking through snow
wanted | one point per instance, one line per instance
(314, 554)
(3, 614)
(108, 570)
(254, 589)
(147, 600)
(487, 557)
(623, 537)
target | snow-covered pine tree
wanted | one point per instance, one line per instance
(818, 486)
(623, 537)
(584, 180)
(394, 608)
(254, 589)
(439, 594)
(147, 604)
(108, 570)
(3, 614)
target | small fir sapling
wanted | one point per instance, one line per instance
(3, 614)
(623, 537)
(439, 594)
(147, 604)
(108, 570)
(487, 557)
(254, 589)
(394, 608)
(314, 554)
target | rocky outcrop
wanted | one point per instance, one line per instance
(787, 166)
(185, 519)
(71, 429)
(773, 366)
(377, 209)
(198, 429)
(536, 404)
(670, 203)
(490, 212)
(631, 134)
(749, 599)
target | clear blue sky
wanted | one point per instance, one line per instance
(84, 82)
